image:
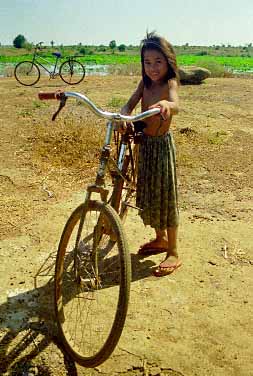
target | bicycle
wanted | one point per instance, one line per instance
(28, 73)
(93, 269)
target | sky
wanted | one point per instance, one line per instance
(95, 22)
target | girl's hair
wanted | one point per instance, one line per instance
(156, 42)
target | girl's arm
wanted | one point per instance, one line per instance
(133, 100)
(129, 106)
(171, 106)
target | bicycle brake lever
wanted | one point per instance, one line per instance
(63, 100)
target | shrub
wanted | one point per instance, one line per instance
(201, 53)
(101, 48)
(82, 51)
(216, 69)
(133, 69)
(28, 46)
(122, 48)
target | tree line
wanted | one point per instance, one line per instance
(215, 50)
(21, 42)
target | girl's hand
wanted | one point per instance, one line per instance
(164, 108)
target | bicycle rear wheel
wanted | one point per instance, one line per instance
(72, 72)
(27, 73)
(92, 283)
(124, 185)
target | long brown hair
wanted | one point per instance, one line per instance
(156, 42)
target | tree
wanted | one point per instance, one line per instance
(122, 48)
(19, 41)
(52, 43)
(112, 45)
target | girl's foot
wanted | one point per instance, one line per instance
(154, 247)
(169, 265)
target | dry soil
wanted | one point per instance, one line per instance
(196, 322)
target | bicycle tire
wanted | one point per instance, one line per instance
(27, 73)
(88, 342)
(72, 72)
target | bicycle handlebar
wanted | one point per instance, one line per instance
(62, 96)
(46, 96)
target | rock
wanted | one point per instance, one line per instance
(193, 75)
(155, 371)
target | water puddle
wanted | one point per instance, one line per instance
(7, 70)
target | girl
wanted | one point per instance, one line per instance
(156, 183)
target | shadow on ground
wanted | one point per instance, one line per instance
(28, 326)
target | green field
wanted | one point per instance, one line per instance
(231, 60)
(235, 63)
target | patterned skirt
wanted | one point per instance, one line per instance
(156, 194)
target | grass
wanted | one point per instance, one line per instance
(70, 145)
(216, 69)
(233, 63)
(217, 138)
(117, 102)
(130, 69)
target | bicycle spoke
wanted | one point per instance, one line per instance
(27, 73)
(72, 72)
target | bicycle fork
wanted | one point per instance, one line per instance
(98, 187)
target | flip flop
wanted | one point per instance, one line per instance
(163, 271)
(146, 250)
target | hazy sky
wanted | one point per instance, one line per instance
(197, 22)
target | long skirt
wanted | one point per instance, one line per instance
(156, 194)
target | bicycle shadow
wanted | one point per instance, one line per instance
(28, 327)
(141, 267)
(45, 86)
(54, 85)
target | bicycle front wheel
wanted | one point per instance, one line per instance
(72, 72)
(92, 283)
(27, 73)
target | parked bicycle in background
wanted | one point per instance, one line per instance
(28, 73)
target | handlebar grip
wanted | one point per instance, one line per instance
(50, 95)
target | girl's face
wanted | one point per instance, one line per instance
(155, 65)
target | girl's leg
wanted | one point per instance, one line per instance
(172, 239)
(171, 261)
(158, 245)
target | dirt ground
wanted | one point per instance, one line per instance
(195, 322)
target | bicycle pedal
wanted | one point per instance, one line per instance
(133, 207)
(89, 282)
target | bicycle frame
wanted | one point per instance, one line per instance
(105, 157)
(36, 59)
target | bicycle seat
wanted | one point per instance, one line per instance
(57, 54)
